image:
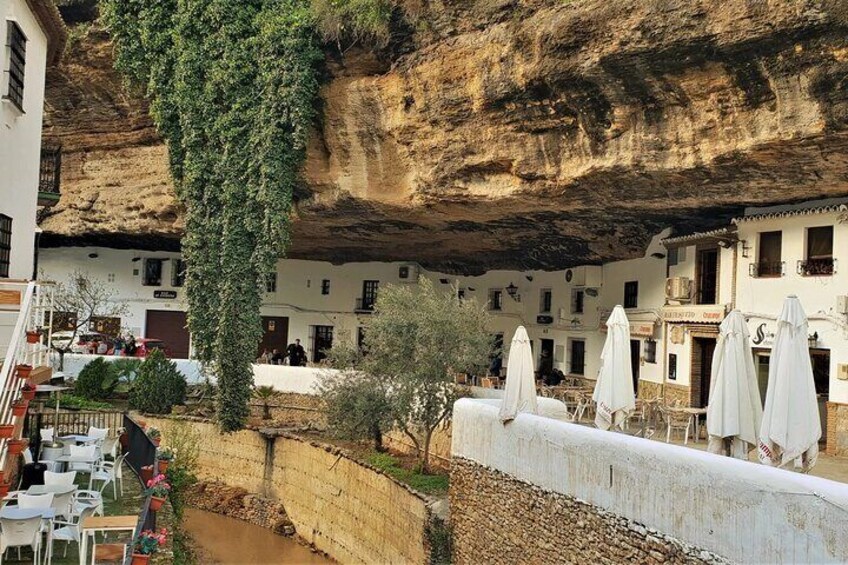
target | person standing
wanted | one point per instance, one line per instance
(296, 354)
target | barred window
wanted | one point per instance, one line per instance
(5, 245)
(16, 42)
(178, 272)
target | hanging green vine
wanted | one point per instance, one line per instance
(232, 87)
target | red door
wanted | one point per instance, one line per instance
(170, 327)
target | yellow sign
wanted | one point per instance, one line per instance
(704, 314)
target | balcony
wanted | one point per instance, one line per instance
(823, 267)
(767, 269)
(364, 306)
(50, 175)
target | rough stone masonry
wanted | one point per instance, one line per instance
(498, 519)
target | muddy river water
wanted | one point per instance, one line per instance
(228, 541)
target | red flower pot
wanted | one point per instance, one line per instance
(19, 408)
(163, 465)
(146, 473)
(23, 371)
(6, 431)
(156, 503)
(140, 559)
(125, 440)
(4, 489)
(16, 446)
(28, 394)
(33, 337)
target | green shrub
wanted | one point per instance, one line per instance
(159, 385)
(96, 381)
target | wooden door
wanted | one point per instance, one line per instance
(275, 334)
(170, 327)
(635, 362)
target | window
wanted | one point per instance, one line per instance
(152, 272)
(369, 295)
(495, 299)
(5, 245)
(325, 287)
(768, 260)
(577, 357)
(178, 272)
(322, 342)
(650, 350)
(271, 282)
(672, 366)
(819, 259)
(545, 301)
(577, 296)
(16, 42)
(631, 294)
(706, 275)
(676, 255)
(110, 277)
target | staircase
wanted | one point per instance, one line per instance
(25, 306)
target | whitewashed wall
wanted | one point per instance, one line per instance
(74, 363)
(761, 299)
(20, 137)
(743, 511)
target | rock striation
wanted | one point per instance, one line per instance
(507, 133)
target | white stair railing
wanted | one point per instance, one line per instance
(35, 313)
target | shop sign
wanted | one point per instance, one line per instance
(166, 294)
(544, 320)
(710, 314)
(638, 329)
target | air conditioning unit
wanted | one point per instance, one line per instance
(588, 275)
(408, 273)
(678, 288)
(842, 304)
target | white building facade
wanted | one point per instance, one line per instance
(675, 297)
(32, 35)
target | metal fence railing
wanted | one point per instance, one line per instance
(69, 423)
(141, 452)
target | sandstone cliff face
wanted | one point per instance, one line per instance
(511, 134)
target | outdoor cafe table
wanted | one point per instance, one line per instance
(694, 414)
(104, 524)
(77, 438)
(77, 459)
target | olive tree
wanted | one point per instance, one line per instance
(417, 340)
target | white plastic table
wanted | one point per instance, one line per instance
(79, 438)
(47, 514)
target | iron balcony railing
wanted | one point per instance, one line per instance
(50, 176)
(766, 269)
(817, 267)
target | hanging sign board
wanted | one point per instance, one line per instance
(167, 294)
(708, 314)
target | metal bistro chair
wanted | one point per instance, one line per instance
(21, 533)
(676, 420)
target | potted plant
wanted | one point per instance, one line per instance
(28, 391)
(19, 408)
(158, 489)
(146, 473)
(124, 439)
(22, 371)
(165, 457)
(4, 489)
(155, 435)
(33, 336)
(146, 544)
(7, 431)
(16, 446)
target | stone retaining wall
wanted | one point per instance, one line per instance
(501, 520)
(351, 511)
(236, 502)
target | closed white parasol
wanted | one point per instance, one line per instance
(520, 388)
(735, 409)
(614, 389)
(791, 428)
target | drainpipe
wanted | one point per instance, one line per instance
(733, 276)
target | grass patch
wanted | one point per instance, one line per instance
(80, 403)
(391, 465)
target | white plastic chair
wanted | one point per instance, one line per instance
(110, 447)
(46, 434)
(63, 504)
(98, 433)
(85, 452)
(68, 478)
(21, 533)
(51, 465)
(70, 531)
(109, 472)
(35, 501)
(88, 499)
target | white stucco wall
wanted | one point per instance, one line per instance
(20, 137)
(743, 511)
